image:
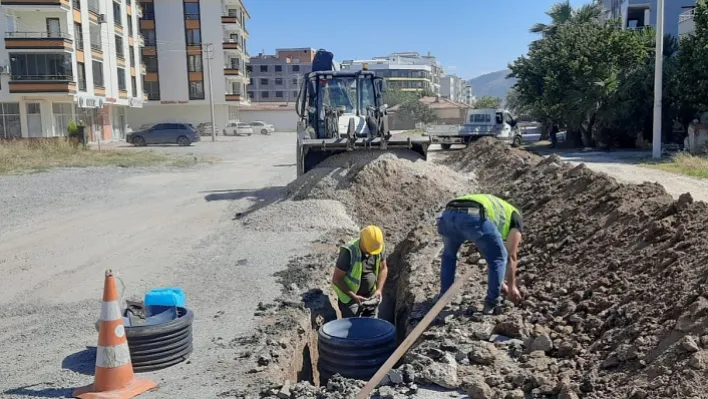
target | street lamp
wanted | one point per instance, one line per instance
(658, 79)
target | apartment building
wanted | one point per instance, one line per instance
(69, 61)
(276, 78)
(181, 38)
(636, 14)
(468, 95)
(405, 71)
(452, 87)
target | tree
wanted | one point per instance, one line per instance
(395, 96)
(691, 79)
(563, 13)
(488, 102)
(417, 111)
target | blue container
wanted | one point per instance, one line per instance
(159, 300)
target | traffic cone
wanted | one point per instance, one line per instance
(114, 378)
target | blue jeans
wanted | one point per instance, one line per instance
(456, 227)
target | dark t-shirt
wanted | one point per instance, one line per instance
(517, 222)
(368, 277)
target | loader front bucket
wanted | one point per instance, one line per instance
(311, 152)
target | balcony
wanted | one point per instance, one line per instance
(93, 7)
(234, 97)
(38, 40)
(687, 24)
(42, 84)
(76, 4)
(229, 19)
(141, 41)
(231, 44)
(37, 5)
(139, 11)
(232, 70)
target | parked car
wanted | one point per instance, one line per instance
(204, 128)
(262, 127)
(238, 129)
(180, 133)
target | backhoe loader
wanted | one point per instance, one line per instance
(343, 111)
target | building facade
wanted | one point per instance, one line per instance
(405, 71)
(468, 95)
(182, 37)
(67, 61)
(276, 78)
(636, 14)
(452, 87)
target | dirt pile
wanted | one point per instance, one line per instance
(614, 275)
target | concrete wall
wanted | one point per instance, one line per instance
(194, 114)
(283, 120)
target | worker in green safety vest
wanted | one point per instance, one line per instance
(495, 227)
(360, 274)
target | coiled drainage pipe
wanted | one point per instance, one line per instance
(158, 346)
(355, 347)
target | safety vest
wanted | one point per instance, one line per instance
(353, 277)
(496, 209)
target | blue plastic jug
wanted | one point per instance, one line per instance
(158, 299)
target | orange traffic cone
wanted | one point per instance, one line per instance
(114, 376)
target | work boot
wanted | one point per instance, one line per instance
(490, 309)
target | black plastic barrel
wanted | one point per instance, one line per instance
(355, 347)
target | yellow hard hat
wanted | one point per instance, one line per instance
(371, 240)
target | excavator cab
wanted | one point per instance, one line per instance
(341, 111)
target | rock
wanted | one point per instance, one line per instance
(478, 389)
(511, 327)
(387, 393)
(284, 392)
(637, 393)
(435, 353)
(408, 372)
(704, 341)
(698, 360)
(541, 343)
(482, 353)
(627, 352)
(610, 362)
(515, 394)
(393, 377)
(443, 374)
(689, 344)
(264, 360)
(568, 349)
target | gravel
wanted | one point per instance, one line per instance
(307, 215)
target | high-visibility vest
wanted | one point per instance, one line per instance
(496, 209)
(353, 277)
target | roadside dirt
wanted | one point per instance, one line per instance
(614, 278)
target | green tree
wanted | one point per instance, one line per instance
(563, 13)
(395, 96)
(417, 111)
(488, 102)
(691, 74)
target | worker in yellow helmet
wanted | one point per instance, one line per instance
(494, 226)
(360, 274)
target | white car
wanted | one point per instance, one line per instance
(238, 129)
(262, 127)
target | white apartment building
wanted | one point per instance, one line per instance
(468, 96)
(405, 71)
(69, 61)
(453, 87)
(179, 37)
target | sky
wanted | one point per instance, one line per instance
(469, 37)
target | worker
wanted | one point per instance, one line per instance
(360, 274)
(494, 226)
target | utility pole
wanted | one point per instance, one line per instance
(658, 79)
(209, 50)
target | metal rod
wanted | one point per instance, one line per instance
(209, 48)
(658, 79)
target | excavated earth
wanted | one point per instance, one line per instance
(613, 276)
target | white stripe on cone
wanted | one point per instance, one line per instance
(112, 356)
(110, 311)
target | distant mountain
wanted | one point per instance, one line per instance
(493, 84)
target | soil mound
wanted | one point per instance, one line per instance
(614, 276)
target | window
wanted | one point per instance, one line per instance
(149, 35)
(134, 86)
(279, 94)
(194, 37)
(250, 95)
(295, 81)
(97, 69)
(194, 62)
(191, 10)
(196, 90)
(62, 117)
(120, 52)
(129, 20)
(10, 120)
(152, 88)
(148, 10)
(264, 68)
(79, 36)
(250, 81)
(278, 68)
(81, 75)
(265, 94)
(41, 66)
(294, 94)
(95, 33)
(131, 53)
(117, 16)
(296, 68)
(150, 63)
(264, 82)
(121, 79)
(278, 81)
